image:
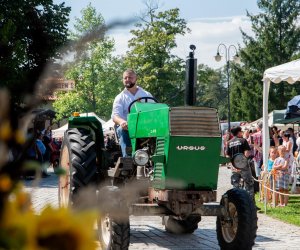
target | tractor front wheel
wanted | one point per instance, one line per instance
(113, 222)
(113, 233)
(238, 230)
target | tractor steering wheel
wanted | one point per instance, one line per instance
(146, 98)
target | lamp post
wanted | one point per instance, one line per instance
(236, 58)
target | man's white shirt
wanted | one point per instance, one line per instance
(122, 101)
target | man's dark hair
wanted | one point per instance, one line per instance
(236, 130)
(129, 71)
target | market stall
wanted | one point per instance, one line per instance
(288, 72)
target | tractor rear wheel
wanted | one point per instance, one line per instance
(78, 159)
(239, 230)
(187, 226)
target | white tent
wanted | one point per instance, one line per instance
(93, 114)
(289, 72)
(59, 132)
(273, 118)
(108, 126)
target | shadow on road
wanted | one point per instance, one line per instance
(260, 238)
(149, 235)
(48, 182)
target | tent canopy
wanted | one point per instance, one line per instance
(288, 72)
(59, 132)
(289, 121)
(276, 116)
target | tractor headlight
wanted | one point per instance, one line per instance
(141, 157)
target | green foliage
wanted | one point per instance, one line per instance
(30, 34)
(159, 71)
(211, 90)
(68, 102)
(289, 214)
(90, 20)
(97, 74)
(276, 41)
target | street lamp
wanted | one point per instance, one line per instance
(236, 59)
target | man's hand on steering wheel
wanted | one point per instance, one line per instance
(124, 125)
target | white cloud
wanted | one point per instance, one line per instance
(121, 37)
(206, 34)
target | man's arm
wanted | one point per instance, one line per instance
(119, 121)
(247, 153)
(50, 146)
(227, 153)
(117, 112)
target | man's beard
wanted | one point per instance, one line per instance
(129, 85)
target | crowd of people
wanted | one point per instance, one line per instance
(43, 149)
(280, 174)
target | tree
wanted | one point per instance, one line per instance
(30, 34)
(276, 41)
(159, 71)
(95, 71)
(211, 91)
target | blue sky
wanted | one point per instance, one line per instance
(211, 22)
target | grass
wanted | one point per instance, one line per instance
(289, 214)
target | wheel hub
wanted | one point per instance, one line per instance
(230, 227)
(64, 180)
(105, 225)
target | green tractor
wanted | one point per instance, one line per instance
(172, 173)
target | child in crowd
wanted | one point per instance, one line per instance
(272, 156)
(281, 165)
(266, 177)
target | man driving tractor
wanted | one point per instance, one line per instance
(120, 107)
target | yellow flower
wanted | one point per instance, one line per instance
(20, 136)
(5, 183)
(23, 201)
(5, 130)
(65, 229)
(16, 206)
(17, 227)
(53, 229)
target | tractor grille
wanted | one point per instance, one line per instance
(160, 144)
(194, 121)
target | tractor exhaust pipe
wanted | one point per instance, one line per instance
(191, 78)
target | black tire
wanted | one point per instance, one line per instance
(78, 159)
(240, 231)
(113, 234)
(187, 226)
(113, 223)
